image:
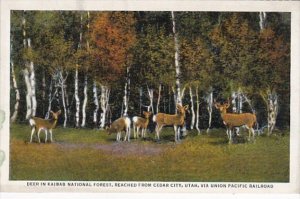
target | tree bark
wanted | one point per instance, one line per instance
(158, 98)
(96, 102)
(17, 92)
(192, 108)
(77, 100)
(84, 102)
(177, 67)
(209, 101)
(105, 92)
(28, 93)
(197, 110)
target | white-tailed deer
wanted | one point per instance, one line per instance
(232, 120)
(121, 125)
(38, 124)
(139, 122)
(177, 120)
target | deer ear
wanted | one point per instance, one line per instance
(186, 107)
(59, 112)
(51, 112)
(216, 105)
(227, 105)
(178, 106)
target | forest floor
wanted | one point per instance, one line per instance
(89, 154)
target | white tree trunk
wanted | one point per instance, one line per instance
(192, 108)
(50, 98)
(96, 102)
(105, 92)
(177, 67)
(32, 83)
(28, 93)
(197, 111)
(84, 102)
(150, 94)
(15, 85)
(158, 98)
(262, 20)
(77, 100)
(272, 111)
(209, 101)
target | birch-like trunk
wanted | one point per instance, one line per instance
(17, 92)
(192, 108)
(262, 20)
(177, 67)
(50, 99)
(209, 101)
(96, 102)
(197, 110)
(158, 98)
(32, 83)
(141, 99)
(28, 93)
(150, 94)
(84, 102)
(272, 111)
(105, 92)
(77, 100)
(126, 93)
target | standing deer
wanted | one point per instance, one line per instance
(38, 124)
(177, 120)
(232, 120)
(139, 122)
(120, 125)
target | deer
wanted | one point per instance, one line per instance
(232, 120)
(177, 120)
(37, 124)
(139, 122)
(120, 125)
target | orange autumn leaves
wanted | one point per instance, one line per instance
(113, 36)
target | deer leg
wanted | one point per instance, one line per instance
(128, 133)
(230, 136)
(138, 132)
(38, 134)
(45, 135)
(50, 131)
(175, 130)
(32, 132)
(157, 131)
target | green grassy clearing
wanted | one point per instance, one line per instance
(85, 154)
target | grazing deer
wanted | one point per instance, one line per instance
(139, 122)
(120, 125)
(177, 120)
(232, 120)
(38, 124)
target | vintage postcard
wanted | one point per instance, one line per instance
(150, 96)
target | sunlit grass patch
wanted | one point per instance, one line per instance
(87, 154)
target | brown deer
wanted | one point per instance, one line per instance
(177, 120)
(139, 122)
(38, 124)
(121, 125)
(232, 120)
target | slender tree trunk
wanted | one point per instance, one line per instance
(126, 93)
(96, 102)
(50, 99)
(272, 111)
(262, 20)
(28, 93)
(77, 114)
(192, 108)
(158, 99)
(197, 110)
(105, 92)
(209, 101)
(32, 83)
(150, 94)
(177, 67)
(141, 99)
(17, 92)
(84, 102)
(44, 90)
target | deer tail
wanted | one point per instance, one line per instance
(32, 122)
(154, 118)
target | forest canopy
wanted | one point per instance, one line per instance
(98, 66)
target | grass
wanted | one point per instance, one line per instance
(85, 154)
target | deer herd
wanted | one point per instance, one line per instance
(140, 124)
